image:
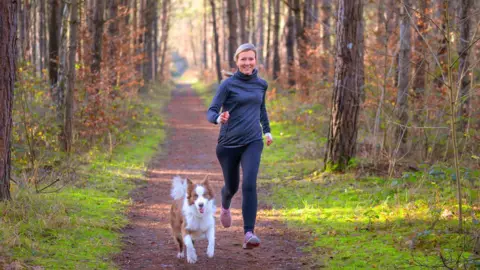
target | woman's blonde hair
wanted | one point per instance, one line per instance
(243, 48)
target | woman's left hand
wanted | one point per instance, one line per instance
(269, 138)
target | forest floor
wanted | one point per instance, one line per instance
(189, 151)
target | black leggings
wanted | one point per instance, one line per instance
(230, 159)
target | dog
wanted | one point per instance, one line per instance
(192, 216)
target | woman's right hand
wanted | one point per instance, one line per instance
(224, 116)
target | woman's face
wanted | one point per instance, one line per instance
(246, 62)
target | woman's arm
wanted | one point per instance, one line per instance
(213, 112)
(264, 116)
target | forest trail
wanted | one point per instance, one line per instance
(189, 151)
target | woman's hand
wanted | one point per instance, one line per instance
(224, 116)
(269, 138)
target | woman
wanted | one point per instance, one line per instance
(242, 99)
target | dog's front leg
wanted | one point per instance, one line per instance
(211, 241)
(191, 254)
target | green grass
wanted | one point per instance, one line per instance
(362, 223)
(79, 227)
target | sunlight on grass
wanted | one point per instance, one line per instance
(362, 223)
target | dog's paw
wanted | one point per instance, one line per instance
(191, 256)
(210, 252)
(181, 254)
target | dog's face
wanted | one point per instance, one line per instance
(200, 195)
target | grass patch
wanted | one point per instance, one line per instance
(78, 227)
(369, 222)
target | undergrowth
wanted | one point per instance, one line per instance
(78, 226)
(369, 222)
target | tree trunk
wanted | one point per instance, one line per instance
(155, 40)
(464, 65)
(349, 79)
(242, 10)
(112, 47)
(269, 26)
(326, 14)
(148, 44)
(232, 31)
(301, 37)
(260, 30)
(307, 14)
(54, 36)
(192, 43)
(442, 34)
(204, 43)
(276, 41)
(69, 96)
(34, 37)
(59, 88)
(8, 36)
(224, 31)
(421, 53)
(252, 33)
(290, 43)
(98, 23)
(165, 29)
(26, 21)
(215, 38)
(401, 106)
(43, 39)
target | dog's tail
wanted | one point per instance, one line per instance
(179, 188)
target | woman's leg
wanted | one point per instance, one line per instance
(229, 159)
(250, 163)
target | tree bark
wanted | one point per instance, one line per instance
(165, 28)
(252, 33)
(401, 106)
(421, 52)
(301, 36)
(269, 26)
(69, 96)
(232, 31)
(242, 10)
(204, 43)
(155, 40)
(215, 38)
(290, 43)
(326, 14)
(276, 41)
(260, 30)
(43, 39)
(98, 23)
(34, 37)
(464, 65)
(148, 44)
(348, 82)
(8, 54)
(113, 33)
(54, 36)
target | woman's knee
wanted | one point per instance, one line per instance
(249, 187)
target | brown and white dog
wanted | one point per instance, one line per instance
(192, 216)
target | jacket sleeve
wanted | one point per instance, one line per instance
(217, 102)
(263, 113)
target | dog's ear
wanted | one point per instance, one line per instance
(189, 188)
(205, 179)
(207, 185)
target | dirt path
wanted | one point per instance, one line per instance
(190, 151)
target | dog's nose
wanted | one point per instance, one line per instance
(200, 205)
